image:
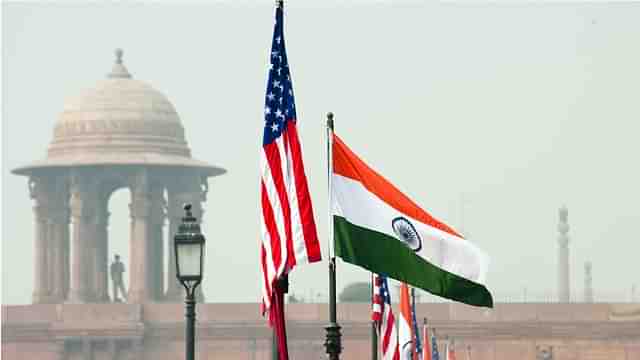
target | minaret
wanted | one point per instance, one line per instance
(563, 255)
(588, 283)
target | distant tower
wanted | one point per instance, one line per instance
(588, 283)
(563, 255)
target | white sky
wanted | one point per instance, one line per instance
(490, 115)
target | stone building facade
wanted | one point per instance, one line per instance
(237, 331)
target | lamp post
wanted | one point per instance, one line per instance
(189, 250)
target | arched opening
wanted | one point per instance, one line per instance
(119, 232)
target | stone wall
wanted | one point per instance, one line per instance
(237, 331)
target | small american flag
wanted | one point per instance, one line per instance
(288, 229)
(383, 315)
(434, 346)
(416, 329)
(376, 300)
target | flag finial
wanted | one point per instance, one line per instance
(330, 120)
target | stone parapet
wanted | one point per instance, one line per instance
(237, 331)
(349, 313)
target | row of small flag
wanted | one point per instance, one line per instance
(401, 339)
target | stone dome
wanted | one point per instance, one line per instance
(120, 121)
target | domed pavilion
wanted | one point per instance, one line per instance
(122, 133)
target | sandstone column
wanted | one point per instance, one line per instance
(66, 254)
(158, 208)
(140, 287)
(101, 263)
(59, 268)
(40, 191)
(58, 239)
(563, 256)
(82, 213)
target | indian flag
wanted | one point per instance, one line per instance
(379, 228)
(405, 325)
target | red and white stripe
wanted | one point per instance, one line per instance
(288, 229)
(377, 303)
(382, 315)
(389, 335)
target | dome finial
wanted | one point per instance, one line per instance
(119, 54)
(118, 70)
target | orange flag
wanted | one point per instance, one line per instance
(405, 328)
(426, 347)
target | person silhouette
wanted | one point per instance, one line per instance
(117, 268)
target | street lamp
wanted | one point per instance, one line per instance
(189, 250)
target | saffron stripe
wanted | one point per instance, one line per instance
(348, 164)
(359, 206)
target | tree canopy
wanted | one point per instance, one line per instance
(357, 292)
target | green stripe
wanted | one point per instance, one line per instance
(386, 255)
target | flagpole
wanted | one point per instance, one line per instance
(426, 347)
(332, 341)
(279, 346)
(279, 341)
(374, 331)
(414, 325)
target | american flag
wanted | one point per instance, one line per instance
(435, 355)
(288, 228)
(416, 329)
(376, 300)
(383, 315)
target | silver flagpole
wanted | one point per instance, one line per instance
(332, 341)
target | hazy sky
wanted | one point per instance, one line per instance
(490, 115)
